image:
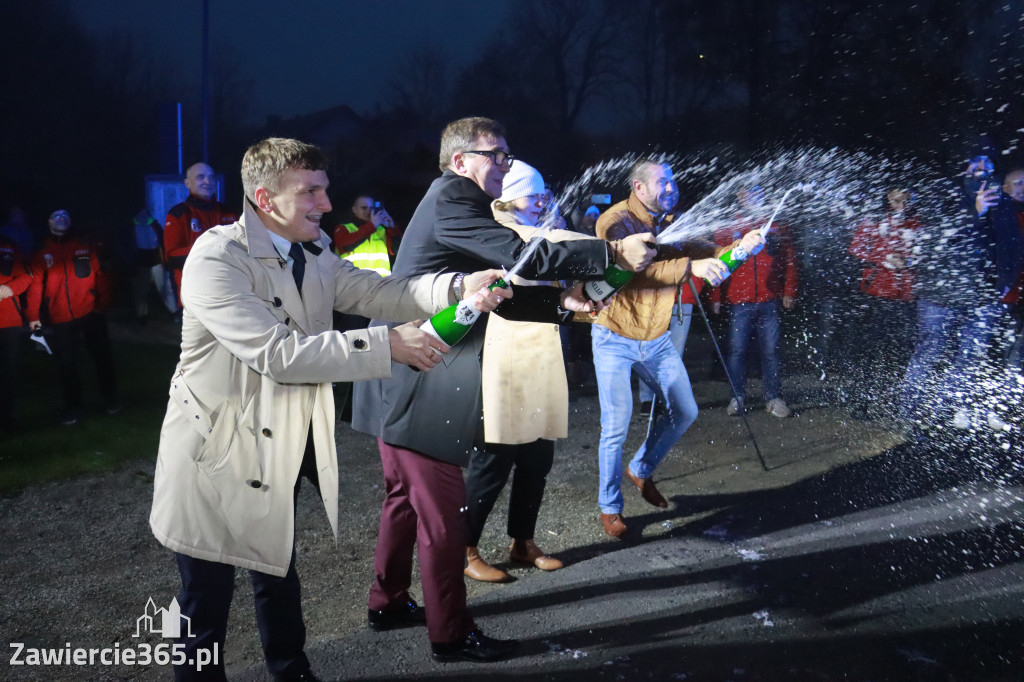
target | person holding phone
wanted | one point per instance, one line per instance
(370, 239)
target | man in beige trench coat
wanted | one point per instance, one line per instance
(251, 407)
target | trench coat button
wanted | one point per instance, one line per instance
(255, 483)
(359, 344)
(277, 302)
(268, 433)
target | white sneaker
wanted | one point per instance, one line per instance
(962, 419)
(777, 407)
(735, 407)
(997, 424)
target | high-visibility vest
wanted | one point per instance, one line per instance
(372, 254)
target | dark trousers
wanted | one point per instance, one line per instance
(67, 337)
(10, 346)
(205, 598)
(423, 508)
(488, 472)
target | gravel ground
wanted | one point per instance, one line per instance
(78, 562)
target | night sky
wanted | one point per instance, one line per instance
(574, 81)
(305, 55)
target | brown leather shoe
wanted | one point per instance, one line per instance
(478, 569)
(647, 489)
(613, 524)
(527, 552)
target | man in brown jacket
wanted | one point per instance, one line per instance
(632, 333)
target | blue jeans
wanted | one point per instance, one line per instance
(745, 318)
(938, 327)
(658, 363)
(678, 329)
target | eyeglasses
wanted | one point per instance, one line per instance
(498, 156)
(60, 216)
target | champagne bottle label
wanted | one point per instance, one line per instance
(465, 314)
(455, 321)
(614, 279)
(452, 323)
(733, 258)
(598, 289)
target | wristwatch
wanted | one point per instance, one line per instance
(457, 285)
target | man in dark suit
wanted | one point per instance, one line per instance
(427, 424)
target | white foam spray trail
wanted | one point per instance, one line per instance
(834, 320)
(605, 173)
(531, 247)
(768, 225)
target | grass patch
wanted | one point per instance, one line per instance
(42, 450)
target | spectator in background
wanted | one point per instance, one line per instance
(149, 266)
(753, 292)
(69, 293)
(14, 281)
(17, 230)
(959, 288)
(588, 221)
(192, 217)
(551, 208)
(370, 240)
(886, 248)
(1007, 220)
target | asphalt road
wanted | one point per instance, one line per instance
(855, 556)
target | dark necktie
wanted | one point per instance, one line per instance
(298, 264)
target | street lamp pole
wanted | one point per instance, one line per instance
(206, 81)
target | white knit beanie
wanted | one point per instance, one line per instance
(522, 180)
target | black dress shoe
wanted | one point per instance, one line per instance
(475, 647)
(402, 616)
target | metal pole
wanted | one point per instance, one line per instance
(206, 80)
(732, 386)
(181, 169)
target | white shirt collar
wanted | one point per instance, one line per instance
(282, 245)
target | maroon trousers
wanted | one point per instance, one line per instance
(424, 507)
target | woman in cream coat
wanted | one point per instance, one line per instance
(525, 401)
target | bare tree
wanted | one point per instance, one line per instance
(577, 43)
(421, 85)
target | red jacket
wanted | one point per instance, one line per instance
(14, 275)
(186, 221)
(872, 243)
(766, 276)
(67, 282)
(686, 294)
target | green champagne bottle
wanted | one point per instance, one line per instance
(615, 278)
(454, 322)
(733, 258)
